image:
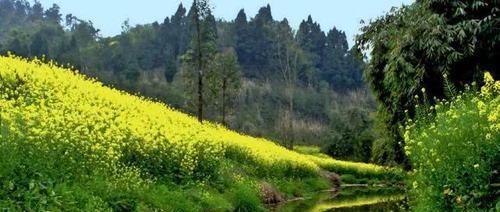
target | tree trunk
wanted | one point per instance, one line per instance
(200, 66)
(291, 131)
(224, 87)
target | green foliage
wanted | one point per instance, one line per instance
(294, 188)
(351, 130)
(224, 82)
(454, 148)
(308, 150)
(312, 39)
(246, 198)
(415, 46)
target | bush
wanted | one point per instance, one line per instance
(454, 149)
(246, 198)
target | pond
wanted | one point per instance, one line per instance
(350, 200)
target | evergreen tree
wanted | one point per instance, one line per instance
(6, 7)
(203, 48)
(260, 44)
(39, 46)
(334, 56)
(21, 8)
(312, 39)
(36, 12)
(243, 44)
(53, 14)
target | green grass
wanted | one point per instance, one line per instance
(309, 150)
(356, 172)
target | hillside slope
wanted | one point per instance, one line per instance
(68, 142)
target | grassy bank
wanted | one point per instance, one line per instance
(70, 143)
(353, 172)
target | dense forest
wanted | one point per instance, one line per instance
(330, 107)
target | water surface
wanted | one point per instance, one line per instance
(350, 200)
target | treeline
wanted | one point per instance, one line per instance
(296, 86)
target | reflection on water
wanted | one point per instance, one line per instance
(351, 200)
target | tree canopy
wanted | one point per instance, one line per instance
(428, 49)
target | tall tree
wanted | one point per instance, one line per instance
(243, 44)
(174, 40)
(179, 30)
(53, 14)
(312, 39)
(39, 47)
(225, 80)
(288, 55)
(260, 44)
(36, 13)
(339, 66)
(204, 35)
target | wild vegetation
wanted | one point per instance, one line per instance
(454, 148)
(424, 59)
(437, 45)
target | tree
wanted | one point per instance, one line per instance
(339, 66)
(203, 45)
(17, 47)
(173, 40)
(36, 12)
(53, 14)
(312, 39)
(6, 7)
(243, 45)
(288, 55)
(22, 8)
(39, 46)
(426, 49)
(226, 79)
(259, 45)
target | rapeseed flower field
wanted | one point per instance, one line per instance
(59, 127)
(52, 107)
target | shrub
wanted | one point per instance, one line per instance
(454, 148)
(246, 198)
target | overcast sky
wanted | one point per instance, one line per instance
(108, 15)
